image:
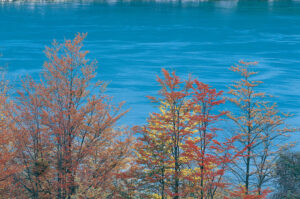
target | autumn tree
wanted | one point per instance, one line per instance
(7, 140)
(261, 128)
(207, 149)
(160, 147)
(154, 156)
(33, 143)
(98, 177)
(179, 148)
(66, 127)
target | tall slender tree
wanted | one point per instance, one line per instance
(260, 126)
(173, 98)
(205, 148)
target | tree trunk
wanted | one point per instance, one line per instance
(247, 171)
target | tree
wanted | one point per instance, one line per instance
(178, 150)
(164, 135)
(7, 140)
(261, 127)
(287, 175)
(205, 149)
(33, 143)
(98, 177)
(153, 155)
(66, 128)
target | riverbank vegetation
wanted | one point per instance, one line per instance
(59, 138)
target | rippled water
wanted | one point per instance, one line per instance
(133, 40)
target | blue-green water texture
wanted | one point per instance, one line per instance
(133, 40)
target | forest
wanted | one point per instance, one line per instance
(60, 138)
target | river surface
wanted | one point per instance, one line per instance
(133, 40)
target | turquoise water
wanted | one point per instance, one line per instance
(133, 40)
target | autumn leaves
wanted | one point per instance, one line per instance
(59, 137)
(65, 141)
(181, 144)
(183, 152)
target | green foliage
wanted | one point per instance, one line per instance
(287, 176)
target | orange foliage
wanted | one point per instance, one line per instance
(178, 148)
(59, 138)
(240, 193)
(7, 143)
(261, 128)
(67, 140)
